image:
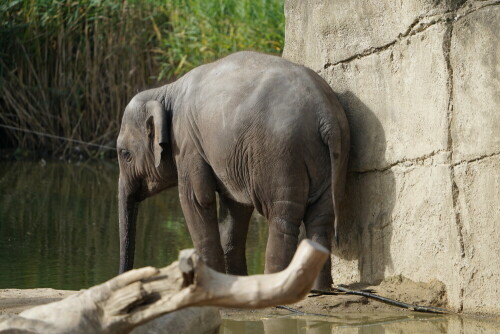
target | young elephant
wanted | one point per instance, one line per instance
(260, 131)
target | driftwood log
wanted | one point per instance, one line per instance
(138, 296)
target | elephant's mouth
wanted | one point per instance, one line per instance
(140, 191)
(141, 195)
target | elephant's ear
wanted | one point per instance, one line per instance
(158, 128)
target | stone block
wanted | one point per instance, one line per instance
(478, 193)
(398, 222)
(325, 32)
(475, 60)
(396, 101)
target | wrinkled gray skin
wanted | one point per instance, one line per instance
(260, 131)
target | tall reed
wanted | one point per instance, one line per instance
(68, 67)
(202, 31)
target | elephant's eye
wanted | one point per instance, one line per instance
(126, 155)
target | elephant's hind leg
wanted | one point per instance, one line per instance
(233, 227)
(318, 222)
(284, 228)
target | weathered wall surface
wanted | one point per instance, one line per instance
(420, 83)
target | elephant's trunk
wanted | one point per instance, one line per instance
(128, 208)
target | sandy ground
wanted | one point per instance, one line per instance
(430, 294)
(398, 288)
(17, 300)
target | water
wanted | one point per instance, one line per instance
(59, 226)
(359, 323)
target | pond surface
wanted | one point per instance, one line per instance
(359, 323)
(59, 226)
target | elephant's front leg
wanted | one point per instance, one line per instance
(198, 202)
(233, 226)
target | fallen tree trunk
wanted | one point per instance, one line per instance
(138, 296)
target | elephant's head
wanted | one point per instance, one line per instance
(146, 165)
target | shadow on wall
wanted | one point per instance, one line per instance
(366, 225)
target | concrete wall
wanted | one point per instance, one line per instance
(419, 80)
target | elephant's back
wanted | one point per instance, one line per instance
(250, 87)
(234, 78)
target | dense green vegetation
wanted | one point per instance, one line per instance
(201, 31)
(69, 67)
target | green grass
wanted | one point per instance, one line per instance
(69, 67)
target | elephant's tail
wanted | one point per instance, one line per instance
(338, 145)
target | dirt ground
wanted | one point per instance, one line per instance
(398, 288)
(17, 300)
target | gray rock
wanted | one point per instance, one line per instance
(475, 60)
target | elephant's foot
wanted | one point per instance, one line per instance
(323, 282)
